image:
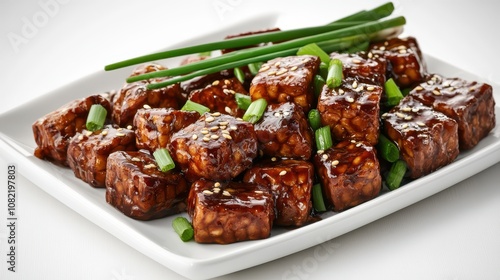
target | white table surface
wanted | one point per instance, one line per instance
(454, 234)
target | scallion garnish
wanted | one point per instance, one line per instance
(392, 92)
(96, 117)
(323, 138)
(387, 149)
(193, 106)
(323, 70)
(254, 67)
(334, 77)
(314, 119)
(317, 197)
(239, 74)
(183, 228)
(255, 110)
(163, 159)
(396, 174)
(243, 100)
(315, 50)
(319, 83)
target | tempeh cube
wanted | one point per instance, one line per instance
(219, 96)
(286, 79)
(362, 68)
(470, 104)
(406, 63)
(53, 131)
(290, 182)
(154, 127)
(216, 147)
(349, 173)
(230, 212)
(88, 152)
(427, 139)
(351, 110)
(134, 96)
(136, 186)
(284, 131)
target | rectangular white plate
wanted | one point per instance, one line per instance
(157, 239)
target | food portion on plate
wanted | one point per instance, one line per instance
(269, 128)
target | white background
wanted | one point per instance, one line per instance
(46, 44)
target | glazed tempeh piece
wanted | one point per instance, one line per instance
(406, 64)
(230, 212)
(427, 139)
(470, 104)
(290, 182)
(134, 96)
(286, 79)
(136, 187)
(216, 147)
(349, 173)
(219, 96)
(351, 110)
(362, 68)
(53, 131)
(88, 152)
(284, 131)
(154, 127)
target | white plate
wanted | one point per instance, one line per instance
(157, 240)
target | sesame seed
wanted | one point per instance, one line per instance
(224, 123)
(324, 156)
(341, 91)
(356, 61)
(370, 88)
(400, 115)
(216, 190)
(430, 82)
(273, 159)
(402, 51)
(420, 124)
(408, 118)
(135, 159)
(436, 92)
(119, 129)
(149, 166)
(233, 127)
(320, 152)
(406, 109)
(286, 113)
(88, 133)
(209, 119)
(349, 99)
(370, 55)
(194, 137)
(382, 48)
(216, 114)
(264, 67)
(214, 136)
(283, 173)
(80, 137)
(104, 132)
(402, 47)
(353, 141)
(224, 131)
(277, 64)
(223, 127)
(120, 134)
(355, 84)
(335, 162)
(405, 125)
(204, 131)
(146, 106)
(227, 82)
(451, 88)
(293, 68)
(214, 128)
(419, 88)
(206, 139)
(384, 115)
(281, 72)
(228, 110)
(271, 73)
(358, 145)
(415, 109)
(227, 136)
(226, 193)
(207, 192)
(217, 184)
(259, 192)
(129, 127)
(277, 114)
(215, 83)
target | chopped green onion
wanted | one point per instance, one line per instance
(193, 106)
(396, 174)
(243, 100)
(393, 93)
(96, 117)
(164, 160)
(314, 119)
(239, 74)
(183, 228)
(315, 50)
(255, 110)
(254, 67)
(334, 77)
(323, 70)
(387, 149)
(317, 196)
(319, 83)
(323, 138)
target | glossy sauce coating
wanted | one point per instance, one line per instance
(88, 152)
(228, 212)
(470, 104)
(136, 186)
(53, 131)
(284, 131)
(351, 110)
(362, 68)
(427, 139)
